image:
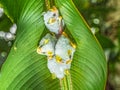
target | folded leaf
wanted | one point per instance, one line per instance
(88, 71)
(24, 69)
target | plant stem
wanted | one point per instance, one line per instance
(66, 83)
(47, 3)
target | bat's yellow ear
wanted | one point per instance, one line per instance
(54, 9)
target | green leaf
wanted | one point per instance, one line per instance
(88, 71)
(24, 69)
(5, 23)
(105, 42)
(81, 4)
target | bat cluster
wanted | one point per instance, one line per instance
(59, 50)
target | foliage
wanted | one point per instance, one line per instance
(25, 69)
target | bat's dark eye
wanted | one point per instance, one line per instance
(54, 14)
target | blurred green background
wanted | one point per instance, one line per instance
(103, 17)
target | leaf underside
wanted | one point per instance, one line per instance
(24, 69)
